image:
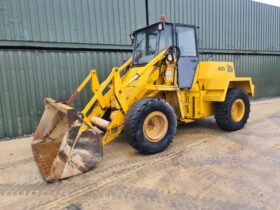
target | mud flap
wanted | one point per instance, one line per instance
(63, 145)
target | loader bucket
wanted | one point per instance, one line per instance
(63, 145)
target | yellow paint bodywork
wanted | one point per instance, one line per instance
(127, 84)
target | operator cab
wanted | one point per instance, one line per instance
(148, 42)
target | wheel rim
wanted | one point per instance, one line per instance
(155, 126)
(238, 110)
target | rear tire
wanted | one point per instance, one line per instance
(233, 113)
(150, 125)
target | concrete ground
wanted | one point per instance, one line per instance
(204, 168)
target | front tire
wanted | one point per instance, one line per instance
(233, 113)
(150, 125)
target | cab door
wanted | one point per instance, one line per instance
(186, 41)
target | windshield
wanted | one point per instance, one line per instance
(148, 44)
(145, 46)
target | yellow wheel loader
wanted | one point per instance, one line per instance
(162, 84)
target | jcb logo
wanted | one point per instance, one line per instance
(230, 69)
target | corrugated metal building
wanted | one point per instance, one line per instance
(48, 46)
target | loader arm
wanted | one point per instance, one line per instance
(114, 86)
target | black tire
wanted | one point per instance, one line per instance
(134, 122)
(223, 110)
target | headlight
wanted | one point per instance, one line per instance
(161, 26)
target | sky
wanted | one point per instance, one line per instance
(271, 2)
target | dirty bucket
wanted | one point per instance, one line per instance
(63, 144)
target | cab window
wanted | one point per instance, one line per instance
(186, 41)
(165, 38)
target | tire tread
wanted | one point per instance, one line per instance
(223, 110)
(132, 118)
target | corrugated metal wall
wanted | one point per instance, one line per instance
(71, 21)
(48, 46)
(27, 77)
(225, 24)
